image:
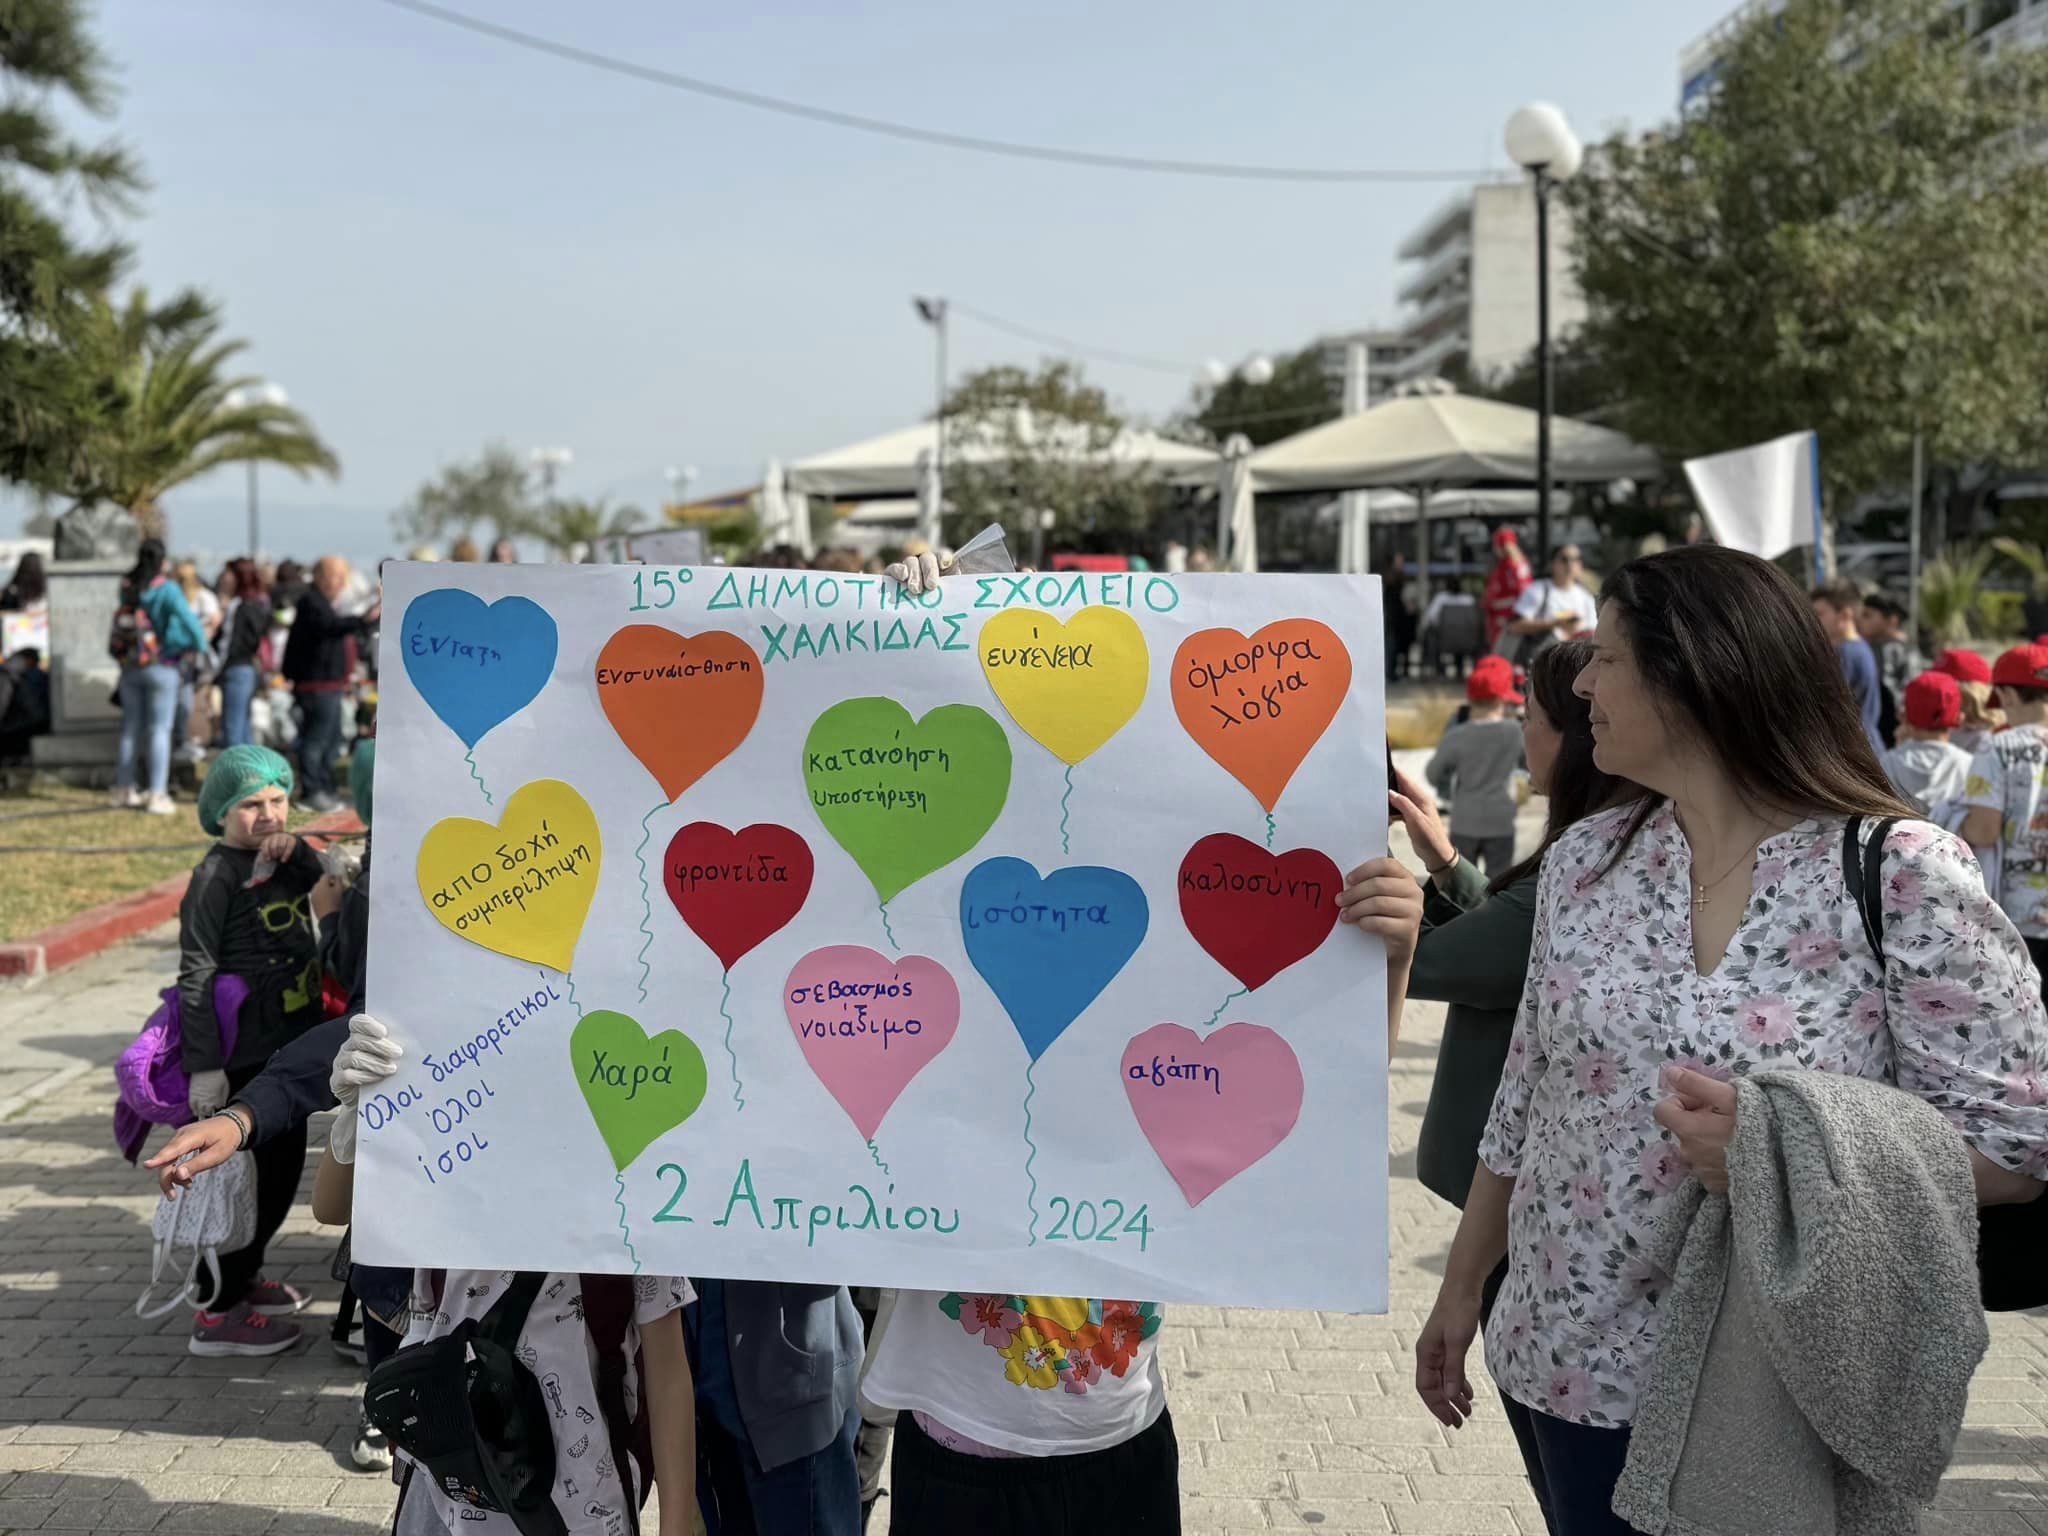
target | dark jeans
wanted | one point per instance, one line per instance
(1518, 1417)
(815, 1495)
(278, 1164)
(319, 740)
(1580, 1466)
(1131, 1489)
(1493, 854)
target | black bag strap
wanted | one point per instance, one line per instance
(503, 1324)
(608, 1314)
(1863, 874)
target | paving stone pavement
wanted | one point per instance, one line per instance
(1286, 1420)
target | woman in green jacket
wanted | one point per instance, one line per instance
(1474, 951)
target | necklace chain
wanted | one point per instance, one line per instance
(1699, 896)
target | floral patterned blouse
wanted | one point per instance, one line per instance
(1613, 996)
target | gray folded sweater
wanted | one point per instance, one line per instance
(1821, 1326)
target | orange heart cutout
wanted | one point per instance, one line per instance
(680, 703)
(1258, 705)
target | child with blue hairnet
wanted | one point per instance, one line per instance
(251, 912)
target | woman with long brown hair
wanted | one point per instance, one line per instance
(1699, 932)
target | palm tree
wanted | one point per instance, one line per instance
(176, 413)
(571, 525)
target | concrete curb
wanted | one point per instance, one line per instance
(90, 932)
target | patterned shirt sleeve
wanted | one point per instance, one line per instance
(1507, 1126)
(1963, 1000)
(1985, 787)
(655, 1296)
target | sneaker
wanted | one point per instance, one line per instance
(273, 1299)
(239, 1331)
(371, 1451)
(123, 799)
(160, 805)
(349, 1346)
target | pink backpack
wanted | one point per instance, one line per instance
(151, 1073)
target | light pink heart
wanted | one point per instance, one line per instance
(868, 1024)
(1211, 1108)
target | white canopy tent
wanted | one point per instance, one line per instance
(1429, 440)
(888, 465)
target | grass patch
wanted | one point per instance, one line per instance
(40, 889)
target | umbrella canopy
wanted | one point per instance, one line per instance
(887, 465)
(1399, 506)
(1443, 439)
(1237, 533)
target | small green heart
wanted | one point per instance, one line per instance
(637, 1088)
(905, 797)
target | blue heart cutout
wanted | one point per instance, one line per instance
(477, 666)
(1048, 947)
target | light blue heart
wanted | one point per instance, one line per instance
(1047, 947)
(476, 666)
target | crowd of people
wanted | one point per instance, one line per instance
(1654, 1018)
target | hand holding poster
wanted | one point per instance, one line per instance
(782, 925)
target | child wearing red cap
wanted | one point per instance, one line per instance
(2008, 799)
(1981, 719)
(1925, 766)
(1474, 768)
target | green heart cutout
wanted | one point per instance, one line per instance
(617, 1066)
(905, 797)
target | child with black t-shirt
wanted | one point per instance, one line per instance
(250, 912)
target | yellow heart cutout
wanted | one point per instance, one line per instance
(523, 887)
(1070, 686)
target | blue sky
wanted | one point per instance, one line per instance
(434, 239)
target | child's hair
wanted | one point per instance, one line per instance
(1979, 712)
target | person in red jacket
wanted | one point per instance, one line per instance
(1504, 583)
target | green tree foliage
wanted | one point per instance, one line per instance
(50, 394)
(1019, 443)
(1300, 395)
(569, 526)
(1847, 235)
(495, 491)
(171, 410)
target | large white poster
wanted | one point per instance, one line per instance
(779, 925)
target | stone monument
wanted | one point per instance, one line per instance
(95, 546)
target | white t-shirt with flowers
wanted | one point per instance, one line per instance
(556, 1346)
(1032, 1375)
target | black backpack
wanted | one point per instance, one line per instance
(2012, 1240)
(470, 1415)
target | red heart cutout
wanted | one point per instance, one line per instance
(736, 888)
(1254, 911)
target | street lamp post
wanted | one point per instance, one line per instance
(1542, 143)
(248, 395)
(932, 312)
(679, 478)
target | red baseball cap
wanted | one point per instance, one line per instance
(2024, 666)
(1503, 537)
(1492, 678)
(1964, 666)
(1934, 702)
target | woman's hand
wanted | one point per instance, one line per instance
(1383, 897)
(1701, 1114)
(211, 1143)
(1417, 810)
(279, 847)
(1440, 1351)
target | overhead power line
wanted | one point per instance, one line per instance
(1071, 348)
(974, 143)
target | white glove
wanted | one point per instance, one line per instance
(370, 1056)
(917, 573)
(208, 1094)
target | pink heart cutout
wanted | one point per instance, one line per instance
(1211, 1108)
(868, 1024)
